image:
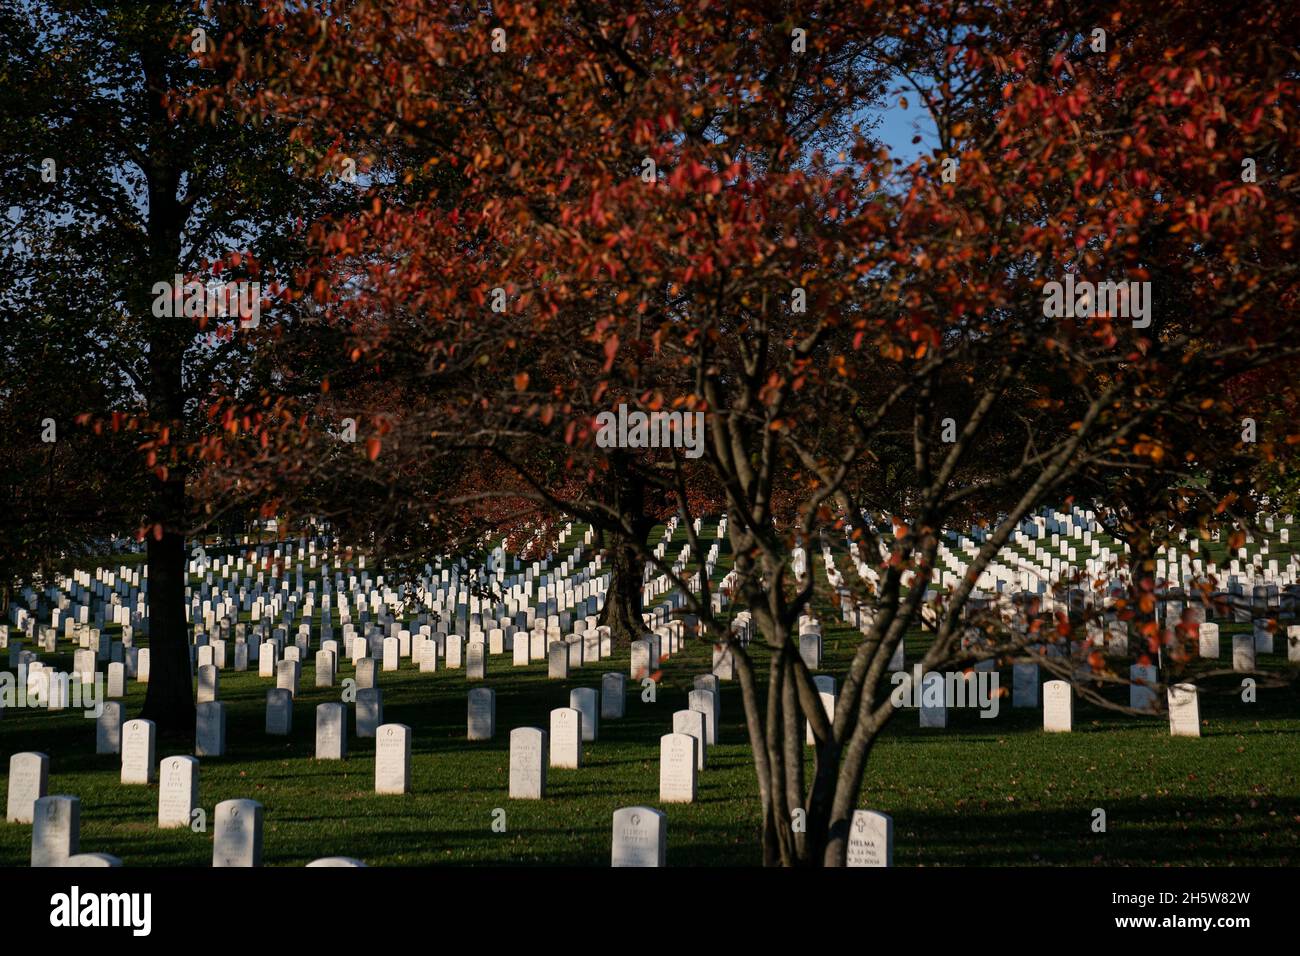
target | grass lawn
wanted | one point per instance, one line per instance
(985, 791)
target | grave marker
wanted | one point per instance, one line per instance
(1243, 653)
(934, 703)
(1208, 640)
(476, 661)
(706, 702)
(324, 668)
(178, 792)
(370, 711)
(482, 720)
(1141, 696)
(138, 741)
(587, 700)
(29, 776)
(528, 760)
(237, 840)
(1058, 706)
(1024, 685)
(108, 729)
(279, 712)
(566, 738)
(677, 768)
(56, 830)
(871, 839)
(557, 661)
(393, 759)
(210, 729)
(613, 696)
(691, 722)
(331, 731)
(640, 837)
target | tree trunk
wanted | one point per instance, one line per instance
(169, 700)
(623, 608)
(1146, 635)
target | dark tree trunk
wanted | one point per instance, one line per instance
(169, 700)
(623, 608)
(1145, 635)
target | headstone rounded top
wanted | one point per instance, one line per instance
(337, 861)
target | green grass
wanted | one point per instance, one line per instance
(985, 791)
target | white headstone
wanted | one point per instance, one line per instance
(613, 695)
(266, 659)
(528, 760)
(279, 712)
(29, 776)
(723, 662)
(482, 719)
(1243, 653)
(331, 731)
(393, 759)
(56, 830)
(325, 662)
(706, 702)
(1208, 640)
(287, 673)
(178, 792)
(810, 649)
(370, 711)
(138, 742)
(557, 661)
(871, 839)
(1058, 706)
(587, 700)
(1263, 638)
(1024, 685)
(116, 680)
(692, 722)
(209, 683)
(108, 729)
(641, 665)
(934, 704)
(210, 729)
(566, 738)
(677, 768)
(337, 861)
(1184, 711)
(640, 837)
(476, 661)
(237, 840)
(825, 685)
